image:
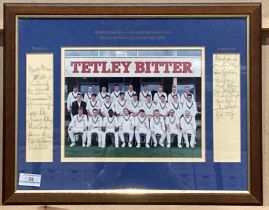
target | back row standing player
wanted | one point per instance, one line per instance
(129, 93)
(72, 96)
(88, 95)
(172, 94)
(158, 94)
(116, 93)
(134, 105)
(130, 98)
(184, 96)
(144, 93)
(102, 95)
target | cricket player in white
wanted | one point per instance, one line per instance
(88, 95)
(184, 96)
(93, 104)
(176, 106)
(120, 104)
(95, 123)
(107, 105)
(110, 125)
(129, 93)
(148, 106)
(172, 94)
(158, 94)
(162, 106)
(116, 93)
(126, 126)
(78, 125)
(102, 95)
(190, 106)
(72, 96)
(134, 105)
(173, 128)
(142, 127)
(188, 126)
(157, 126)
(143, 94)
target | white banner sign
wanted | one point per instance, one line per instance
(133, 67)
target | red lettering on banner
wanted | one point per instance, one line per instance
(126, 66)
(147, 69)
(187, 67)
(85, 67)
(156, 67)
(95, 67)
(166, 67)
(115, 67)
(103, 65)
(177, 67)
(75, 65)
(105, 70)
(139, 67)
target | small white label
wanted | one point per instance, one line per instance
(32, 180)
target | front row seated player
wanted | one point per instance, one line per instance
(78, 125)
(95, 124)
(126, 126)
(142, 128)
(110, 126)
(157, 126)
(173, 128)
(188, 126)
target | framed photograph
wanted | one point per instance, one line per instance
(132, 104)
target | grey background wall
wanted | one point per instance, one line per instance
(265, 85)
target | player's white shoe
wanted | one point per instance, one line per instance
(130, 145)
(88, 145)
(162, 145)
(179, 146)
(155, 145)
(123, 144)
(72, 144)
(168, 145)
(83, 145)
(138, 146)
(147, 146)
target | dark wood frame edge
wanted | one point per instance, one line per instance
(254, 197)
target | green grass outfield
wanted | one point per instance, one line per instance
(110, 151)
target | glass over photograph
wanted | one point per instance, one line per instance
(133, 104)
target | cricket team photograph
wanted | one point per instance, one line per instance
(127, 117)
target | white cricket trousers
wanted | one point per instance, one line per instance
(138, 138)
(116, 137)
(72, 133)
(177, 134)
(192, 142)
(99, 137)
(161, 133)
(130, 135)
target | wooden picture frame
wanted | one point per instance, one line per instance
(11, 195)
